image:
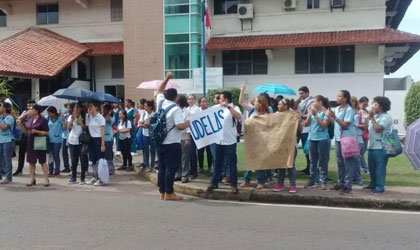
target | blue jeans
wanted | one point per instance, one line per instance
(362, 159)
(228, 153)
(169, 156)
(6, 152)
(133, 140)
(318, 155)
(109, 155)
(346, 167)
(377, 167)
(65, 153)
(260, 176)
(291, 173)
(148, 146)
(193, 158)
(55, 154)
(357, 173)
(95, 154)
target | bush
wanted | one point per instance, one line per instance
(235, 95)
(412, 104)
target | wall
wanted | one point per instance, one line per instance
(103, 72)
(268, 14)
(397, 98)
(84, 25)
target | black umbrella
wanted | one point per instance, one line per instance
(104, 97)
(78, 94)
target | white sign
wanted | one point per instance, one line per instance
(206, 126)
(214, 78)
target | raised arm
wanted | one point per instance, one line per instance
(242, 101)
(162, 86)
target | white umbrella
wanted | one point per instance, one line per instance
(58, 103)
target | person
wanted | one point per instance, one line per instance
(148, 144)
(7, 144)
(285, 105)
(204, 104)
(183, 173)
(380, 122)
(301, 105)
(124, 129)
(24, 117)
(65, 134)
(226, 148)
(216, 101)
(359, 126)
(116, 112)
(76, 125)
(96, 126)
(170, 151)
(139, 129)
(55, 125)
(193, 109)
(363, 104)
(344, 127)
(133, 116)
(35, 126)
(319, 141)
(109, 134)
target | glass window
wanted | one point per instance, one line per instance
(332, 59)
(313, 4)
(177, 9)
(117, 66)
(229, 62)
(222, 7)
(52, 13)
(260, 62)
(316, 56)
(245, 62)
(177, 56)
(177, 38)
(47, 14)
(3, 19)
(302, 60)
(347, 59)
(116, 10)
(81, 71)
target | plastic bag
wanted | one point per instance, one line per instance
(103, 170)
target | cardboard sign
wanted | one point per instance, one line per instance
(207, 126)
(270, 141)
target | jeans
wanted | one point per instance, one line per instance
(357, 173)
(6, 152)
(75, 156)
(95, 154)
(318, 155)
(377, 167)
(291, 172)
(213, 152)
(65, 153)
(228, 153)
(201, 157)
(22, 152)
(109, 155)
(184, 170)
(54, 158)
(148, 147)
(261, 176)
(169, 156)
(346, 167)
(125, 151)
(362, 158)
(304, 137)
(133, 141)
(193, 158)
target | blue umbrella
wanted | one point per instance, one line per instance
(78, 94)
(104, 97)
(275, 89)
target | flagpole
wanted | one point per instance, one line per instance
(203, 45)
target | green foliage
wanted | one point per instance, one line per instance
(235, 95)
(412, 104)
(5, 89)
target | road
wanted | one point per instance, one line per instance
(127, 214)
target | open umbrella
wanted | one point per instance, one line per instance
(54, 101)
(77, 94)
(275, 89)
(412, 144)
(104, 97)
(156, 83)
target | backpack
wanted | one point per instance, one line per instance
(157, 126)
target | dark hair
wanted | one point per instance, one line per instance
(71, 105)
(30, 101)
(182, 101)
(125, 116)
(143, 101)
(384, 102)
(151, 104)
(96, 104)
(202, 98)
(8, 107)
(279, 98)
(130, 101)
(347, 95)
(227, 95)
(304, 89)
(289, 102)
(107, 109)
(171, 94)
(39, 109)
(363, 99)
(323, 100)
(52, 109)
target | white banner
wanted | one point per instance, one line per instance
(214, 78)
(206, 126)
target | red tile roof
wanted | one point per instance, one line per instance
(105, 49)
(37, 52)
(338, 38)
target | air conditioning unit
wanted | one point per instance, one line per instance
(290, 4)
(245, 11)
(338, 4)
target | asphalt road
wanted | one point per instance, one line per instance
(127, 214)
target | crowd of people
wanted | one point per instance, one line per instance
(83, 133)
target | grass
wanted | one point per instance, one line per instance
(400, 172)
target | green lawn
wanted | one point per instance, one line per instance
(400, 171)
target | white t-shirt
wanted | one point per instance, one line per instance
(123, 125)
(229, 127)
(186, 115)
(193, 109)
(75, 132)
(95, 123)
(173, 117)
(145, 118)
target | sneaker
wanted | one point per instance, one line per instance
(17, 173)
(346, 191)
(309, 185)
(117, 153)
(66, 170)
(151, 170)
(292, 189)
(227, 181)
(368, 187)
(245, 185)
(235, 190)
(376, 192)
(324, 187)
(337, 187)
(91, 182)
(134, 154)
(360, 183)
(212, 187)
(57, 174)
(71, 181)
(5, 181)
(122, 168)
(162, 196)
(130, 169)
(172, 197)
(82, 183)
(260, 187)
(98, 183)
(278, 188)
(184, 180)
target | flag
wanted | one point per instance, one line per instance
(208, 24)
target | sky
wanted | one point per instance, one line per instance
(411, 23)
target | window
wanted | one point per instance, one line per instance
(116, 10)
(47, 14)
(320, 60)
(222, 7)
(117, 66)
(313, 4)
(3, 19)
(245, 62)
(81, 71)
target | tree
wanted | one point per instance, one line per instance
(412, 104)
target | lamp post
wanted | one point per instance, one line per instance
(203, 45)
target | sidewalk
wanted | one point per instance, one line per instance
(403, 198)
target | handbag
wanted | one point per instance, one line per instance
(349, 145)
(40, 143)
(365, 134)
(84, 137)
(391, 143)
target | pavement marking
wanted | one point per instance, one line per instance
(319, 207)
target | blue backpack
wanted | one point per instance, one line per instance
(157, 126)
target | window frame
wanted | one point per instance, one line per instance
(224, 3)
(114, 73)
(237, 62)
(47, 5)
(311, 4)
(116, 16)
(3, 15)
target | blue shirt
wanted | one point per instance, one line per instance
(359, 132)
(347, 115)
(108, 129)
(384, 120)
(316, 132)
(56, 129)
(252, 111)
(7, 135)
